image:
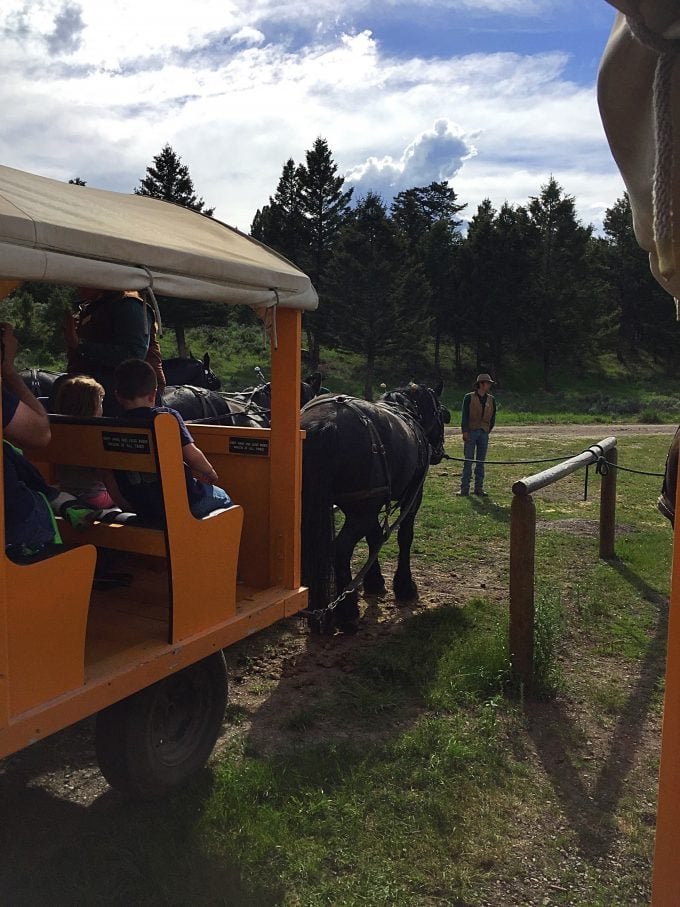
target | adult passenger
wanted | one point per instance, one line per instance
(110, 327)
(29, 523)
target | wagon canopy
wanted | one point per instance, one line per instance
(63, 233)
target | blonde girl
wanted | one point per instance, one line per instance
(82, 398)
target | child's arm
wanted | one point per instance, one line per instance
(196, 459)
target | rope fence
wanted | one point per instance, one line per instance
(523, 542)
(601, 463)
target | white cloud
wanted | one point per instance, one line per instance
(96, 90)
(247, 35)
(435, 155)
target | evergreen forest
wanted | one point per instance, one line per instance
(419, 286)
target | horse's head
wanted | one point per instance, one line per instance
(425, 404)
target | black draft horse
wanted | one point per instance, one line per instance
(198, 404)
(362, 456)
(258, 400)
(189, 370)
(195, 403)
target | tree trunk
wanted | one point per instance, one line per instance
(437, 348)
(457, 357)
(314, 350)
(181, 341)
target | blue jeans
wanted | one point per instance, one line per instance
(214, 498)
(474, 449)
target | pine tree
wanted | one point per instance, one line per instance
(644, 310)
(371, 288)
(281, 224)
(426, 216)
(168, 178)
(324, 207)
(416, 210)
(494, 268)
(564, 302)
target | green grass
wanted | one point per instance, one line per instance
(421, 778)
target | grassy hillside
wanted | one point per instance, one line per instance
(608, 391)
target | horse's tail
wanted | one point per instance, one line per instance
(318, 531)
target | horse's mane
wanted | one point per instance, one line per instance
(403, 397)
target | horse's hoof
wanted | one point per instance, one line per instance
(327, 624)
(349, 627)
(406, 594)
(314, 625)
(378, 589)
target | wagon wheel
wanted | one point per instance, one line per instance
(156, 739)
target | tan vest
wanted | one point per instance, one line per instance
(477, 418)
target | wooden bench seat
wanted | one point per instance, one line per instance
(198, 598)
(121, 536)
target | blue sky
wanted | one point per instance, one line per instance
(492, 95)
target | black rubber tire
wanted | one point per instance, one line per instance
(156, 739)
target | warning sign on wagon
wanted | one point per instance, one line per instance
(125, 442)
(258, 447)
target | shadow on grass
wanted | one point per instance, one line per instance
(115, 851)
(350, 687)
(487, 507)
(110, 850)
(591, 811)
(189, 847)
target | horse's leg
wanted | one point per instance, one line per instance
(347, 611)
(404, 587)
(374, 581)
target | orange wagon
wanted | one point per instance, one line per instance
(147, 658)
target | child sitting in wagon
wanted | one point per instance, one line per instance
(82, 397)
(136, 386)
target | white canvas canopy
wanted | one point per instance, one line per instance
(68, 234)
(639, 95)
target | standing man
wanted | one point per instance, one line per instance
(110, 327)
(477, 419)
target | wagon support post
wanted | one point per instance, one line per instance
(523, 545)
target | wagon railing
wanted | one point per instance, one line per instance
(523, 544)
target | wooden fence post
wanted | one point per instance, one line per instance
(522, 555)
(608, 508)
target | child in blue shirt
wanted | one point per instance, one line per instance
(136, 386)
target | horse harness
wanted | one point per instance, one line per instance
(377, 446)
(201, 394)
(36, 389)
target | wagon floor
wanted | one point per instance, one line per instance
(128, 625)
